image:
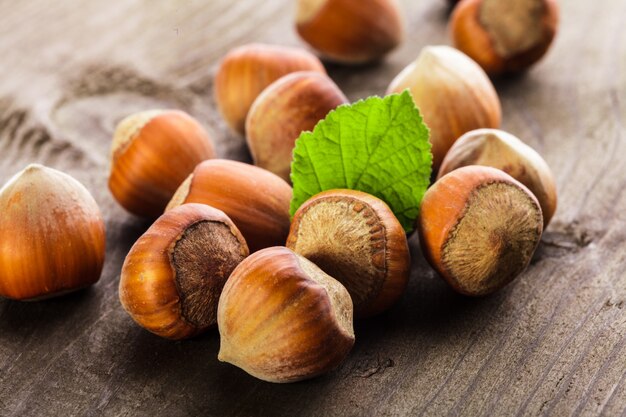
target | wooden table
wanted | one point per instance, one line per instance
(553, 343)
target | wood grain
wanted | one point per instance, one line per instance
(553, 343)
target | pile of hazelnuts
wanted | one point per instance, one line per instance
(223, 249)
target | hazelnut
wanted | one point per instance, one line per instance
(247, 70)
(52, 238)
(354, 237)
(291, 105)
(282, 319)
(504, 36)
(498, 149)
(349, 31)
(255, 199)
(152, 154)
(174, 274)
(479, 228)
(453, 94)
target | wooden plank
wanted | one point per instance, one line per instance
(553, 343)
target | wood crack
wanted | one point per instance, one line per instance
(369, 367)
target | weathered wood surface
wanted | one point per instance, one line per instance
(553, 343)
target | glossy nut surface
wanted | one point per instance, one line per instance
(355, 238)
(289, 106)
(174, 274)
(504, 36)
(247, 70)
(453, 94)
(479, 228)
(282, 319)
(152, 154)
(52, 237)
(499, 149)
(348, 31)
(255, 199)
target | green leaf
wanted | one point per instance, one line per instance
(378, 145)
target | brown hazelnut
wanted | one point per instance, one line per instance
(355, 238)
(255, 199)
(453, 94)
(349, 31)
(52, 238)
(498, 149)
(504, 36)
(289, 106)
(479, 228)
(174, 274)
(152, 154)
(282, 319)
(247, 70)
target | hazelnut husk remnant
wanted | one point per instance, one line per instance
(479, 228)
(348, 31)
(498, 149)
(247, 70)
(52, 238)
(504, 36)
(354, 237)
(453, 94)
(152, 154)
(173, 276)
(255, 199)
(291, 105)
(282, 319)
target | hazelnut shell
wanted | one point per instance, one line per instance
(256, 200)
(504, 37)
(247, 70)
(174, 274)
(348, 31)
(453, 94)
(289, 106)
(282, 319)
(499, 149)
(152, 154)
(479, 228)
(354, 237)
(52, 237)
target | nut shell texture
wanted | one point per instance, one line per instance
(282, 319)
(291, 105)
(255, 199)
(504, 36)
(354, 237)
(52, 237)
(498, 149)
(479, 228)
(247, 70)
(152, 154)
(349, 31)
(174, 274)
(453, 94)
